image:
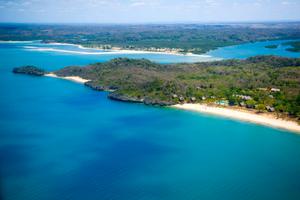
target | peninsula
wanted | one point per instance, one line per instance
(264, 85)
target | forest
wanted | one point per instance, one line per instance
(182, 38)
(263, 83)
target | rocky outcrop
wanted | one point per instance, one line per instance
(124, 98)
(97, 87)
(147, 101)
(30, 70)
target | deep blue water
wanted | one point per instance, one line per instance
(61, 140)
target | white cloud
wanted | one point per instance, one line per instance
(286, 3)
(212, 2)
(138, 3)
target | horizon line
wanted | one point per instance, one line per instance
(166, 22)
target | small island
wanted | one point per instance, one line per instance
(262, 84)
(271, 46)
(295, 46)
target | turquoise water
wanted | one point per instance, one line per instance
(61, 140)
(254, 49)
(82, 56)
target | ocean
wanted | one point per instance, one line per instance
(62, 140)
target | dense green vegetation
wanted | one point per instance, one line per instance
(195, 38)
(262, 82)
(271, 46)
(295, 46)
(30, 70)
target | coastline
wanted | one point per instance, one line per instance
(76, 79)
(265, 119)
(106, 51)
(119, 50)
(248, 116)
(112, 51)
(127, 51)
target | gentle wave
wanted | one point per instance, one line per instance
(16, 42)
(66, 44)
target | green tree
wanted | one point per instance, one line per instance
(261, 107)
(250, 103)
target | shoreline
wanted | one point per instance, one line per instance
(127, 51)
(119, 50)
(110, 51)
(76, 79)
(265, 119)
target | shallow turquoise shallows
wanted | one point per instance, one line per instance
(60, 140)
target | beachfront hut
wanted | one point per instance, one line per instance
(242, 104)
(275, 90)
(263, 89)
(270, 109)
(193, 99)
(223, 102)
(243, 97)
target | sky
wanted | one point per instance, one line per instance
(148, 11)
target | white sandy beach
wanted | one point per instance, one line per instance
(76, 79)
(239, 114)
(243, 115)
(120, 51)
(126, 51)
(116, 51)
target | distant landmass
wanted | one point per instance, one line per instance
(295, 46)
(175, 38)
(271, 46)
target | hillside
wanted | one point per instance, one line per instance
(265, 83)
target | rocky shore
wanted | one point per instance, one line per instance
(124, 98)
(113, 95)
(147, 101)
(93, 85)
